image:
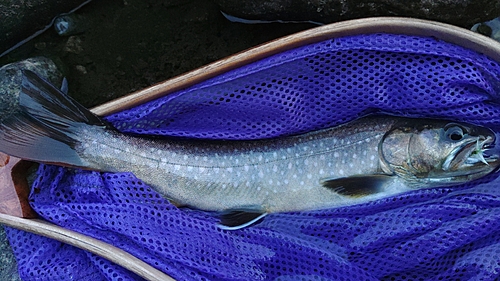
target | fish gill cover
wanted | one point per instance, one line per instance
(450, 233)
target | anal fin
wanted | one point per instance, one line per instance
(238, 219)
(357, 186)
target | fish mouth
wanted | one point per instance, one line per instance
(472, 154)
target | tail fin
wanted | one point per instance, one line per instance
(44, 130)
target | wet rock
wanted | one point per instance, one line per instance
(22, 19)
(490, 28)
(8, 264)
(463, 13)
(71, 24)
(10, 81)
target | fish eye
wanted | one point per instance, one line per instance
(454, 133)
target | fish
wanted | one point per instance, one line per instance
(366, 159)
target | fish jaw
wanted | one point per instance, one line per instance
(466, 162)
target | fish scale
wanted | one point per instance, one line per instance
(272, 175)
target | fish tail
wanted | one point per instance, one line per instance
(46, 128)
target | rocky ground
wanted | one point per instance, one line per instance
(130, 44)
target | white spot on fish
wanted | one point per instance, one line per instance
(230, 169)
(372, 157)
(341, 172)
(246, 167)
(336, 154)
(321, 171)
(354, 156)
(185, 157)
(270, 181)
(275, 168)
(201, 169)
(261, 174)
(290, 166)
(177, 167)
(309, 176)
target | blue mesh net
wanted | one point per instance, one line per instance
(450, 233)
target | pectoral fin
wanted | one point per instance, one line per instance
(357, 186)
(238, 219)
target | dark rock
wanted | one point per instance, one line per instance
(10, 82)
(463, 13)
(21, 20)
(8, 264)
(485, 30)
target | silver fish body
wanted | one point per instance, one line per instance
(369, 158)
(274, 175)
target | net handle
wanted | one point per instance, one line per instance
(86, 243)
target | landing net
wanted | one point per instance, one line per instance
(450, 233)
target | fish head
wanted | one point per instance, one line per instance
(431, 153)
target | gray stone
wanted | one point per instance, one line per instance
(8, 263)
(22, 19)
(10, 82)
(463, 13)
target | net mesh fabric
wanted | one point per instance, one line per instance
(450, 233)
